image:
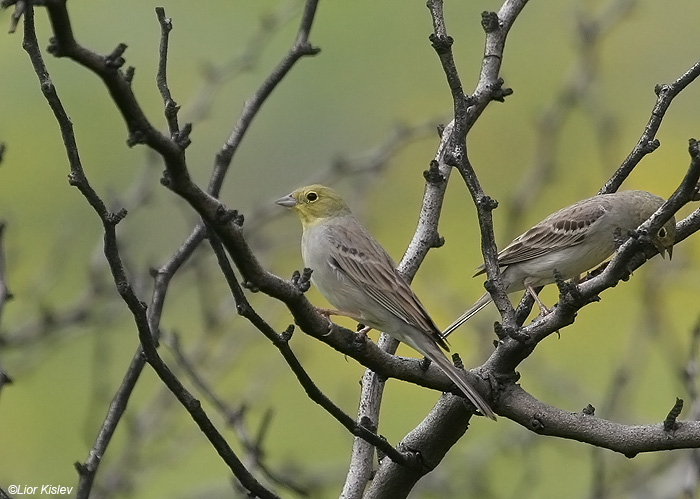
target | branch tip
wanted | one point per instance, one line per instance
(457, 361)
(498, 92)
(660, 88)
(80, 468)
(182, 138)
(136, 137)
(589, 410)
(287, 333)
(115, 218)
(75, 179)
(129, 74)
(308, 49)
(166, 180)
(54, 48)
(432, 175)
(651, 146)
(166, 23)
(224, 217)
(302, 280)
(441, 44)
(20, 7)
(115, 59)
(671, 423)
(490, 21)
(487, 203)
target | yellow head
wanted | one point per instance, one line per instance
(665, 237)
(314, 203)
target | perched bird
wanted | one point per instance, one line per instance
(573, 240)
(357, 276)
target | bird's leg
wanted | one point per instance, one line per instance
(363, 330)
(327, 312)
(544, 310)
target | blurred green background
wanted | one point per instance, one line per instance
(376, 73)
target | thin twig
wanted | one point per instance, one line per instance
(235, 418)
(281, 342)
(109, 221)
(170, 106)
(648, 143)
(575, 93)
(301, 48)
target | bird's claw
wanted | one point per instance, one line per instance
(362, 330)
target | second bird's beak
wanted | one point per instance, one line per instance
(669, 250)
(287, 201)
(663, 250)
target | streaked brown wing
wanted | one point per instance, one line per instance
(563, 229)
(362, 259)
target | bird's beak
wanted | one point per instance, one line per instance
(663, 250)
(287, 201)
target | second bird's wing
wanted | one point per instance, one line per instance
(563, 229)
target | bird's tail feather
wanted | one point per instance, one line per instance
(471, 311)
(452, 372)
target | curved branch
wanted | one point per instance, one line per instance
(281, 342)
(425, 440)
(629, 440)
(647, 143)
(109, 222)
(630, 256)
(466, 111)
(301, 48)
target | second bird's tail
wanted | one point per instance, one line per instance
(471, 311)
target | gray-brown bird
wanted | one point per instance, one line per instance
(573, 240)
(357, 276)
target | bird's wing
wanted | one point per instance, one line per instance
(563, 229)
(356, 254)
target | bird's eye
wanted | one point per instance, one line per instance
(311, 196)
(662, 232)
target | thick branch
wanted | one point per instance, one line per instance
(629, 440)
(430, 440)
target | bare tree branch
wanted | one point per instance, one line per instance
(575, 93)
(647, 143)
(628, 440)
(77, 177)
(424, 447)
(281, 342)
